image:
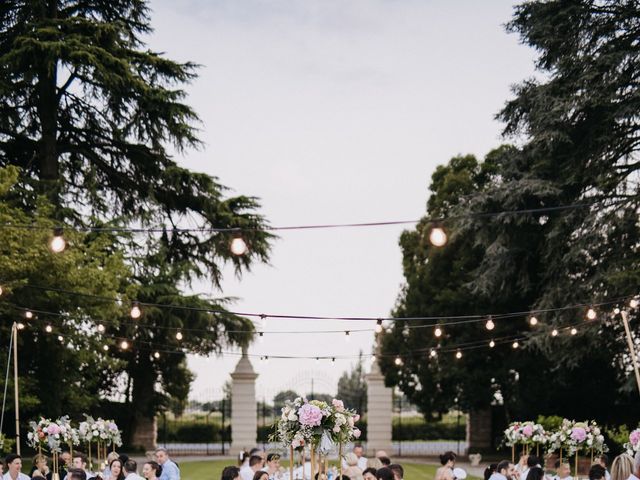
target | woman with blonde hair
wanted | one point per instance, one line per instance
(622, 467)
(40, 467)
(352, 471)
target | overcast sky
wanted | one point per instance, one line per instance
(333, 111)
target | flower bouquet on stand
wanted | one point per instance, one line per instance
(512, 437)
(50, 435)
(633, 445)
(560, 440)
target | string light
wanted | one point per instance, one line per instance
(554, 332)
(347, 336)
(379, 326)
(317, 360)
(105, 348)
(437, 236)
(156, 355)
(178, 335)
(533, 321)
(57, 243)
(60, 338)
(574, 330)
(515, 344)
(28, 314)
(136, 312)
(266, 359)
(616, 311)
(437, 332)
(333, 360)
(591, 314)
(238, 246)
(492, 344)
(398, 361)
(101, 328)
(263, 321)
(124, 345)
(490, 325)
(633, 303)
(261, 337)
(433, 353)
(48, 328)
(20, 326)
(458, 354)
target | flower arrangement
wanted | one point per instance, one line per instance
(633, 445)
(512, 435)
(578, 437)
(46, 433)
(560, 440)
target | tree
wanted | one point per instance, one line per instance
(91, 116)
(352, 388)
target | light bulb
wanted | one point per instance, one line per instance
(57, 243)
(347, 336)
(373, 358)
(20, 326)
(492, 344)
(239, 246)
(60, 339)
(156, 355)
(616, 311)
(515, 344)
(124, 345)
(633, 303)
(100, 328)
(333, 360)
(591, 314)
(261, 337)
(263, 321)
(266, 359)
(28, 314)
(554, 332)
(433, 353)
(437, 237)
(105, 348)
(437, 332)
(458, 354)
(533, 321)
(136, 312)
(398, 361)
(48, 328)
(574, 330)
(379, 326)
(317, 360)
(490, 325)
(179, 335)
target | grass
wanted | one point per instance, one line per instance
(212, 469)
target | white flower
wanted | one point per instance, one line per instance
(292, 417)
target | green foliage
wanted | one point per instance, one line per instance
(352, 388)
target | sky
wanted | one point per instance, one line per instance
(333, 111)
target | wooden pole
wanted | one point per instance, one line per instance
(290, 462)
(340, 460)
(632, 350)
(513, 453)
(313, 460)
(16, 394)
(575, 472)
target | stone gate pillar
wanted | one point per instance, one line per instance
(379, 412)
(244, 414)
(479, 431)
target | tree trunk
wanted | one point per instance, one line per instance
(143, 407)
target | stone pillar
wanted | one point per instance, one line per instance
(379, 412)
(244, 414)
(145, 433)
(479, 431)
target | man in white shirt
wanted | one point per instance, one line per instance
(504, 471)
(358, 450)
(563, 471)
(248, 471)
(131, 470)
(13, 464)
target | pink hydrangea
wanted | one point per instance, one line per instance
(356, 417)
(527, 431)
(310, 415)
(579, 434)
(634, 437)
(53, 429)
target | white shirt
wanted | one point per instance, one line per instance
(633, 477)
(133, 476)
(362, 463)
(497, 476)
(246, 472)
(568, 477)
(21, 476)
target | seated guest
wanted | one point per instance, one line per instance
(76, 474)
(398, 471)
(131, 470)
(40, 467)
(261, 475)
(353, 471)
(369, 473)
(13, 462)
(603, 461)
(622, 467)
(385, 461)
(384, 473)
(151, 470)
(116, 472)
(563, 471)
(106, 473)
(490, 470)
(230, 473)
(535, 473)
(374, 463)
(504, 471)
(273, 465)
(597, 472)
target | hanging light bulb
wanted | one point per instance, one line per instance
(28, 314)
(101, 328)
(433, 353)
(136, 312)
(261, 337)
(124, 345)
(20, 326)
(591, 314)
(1, 291)
(437, 236)
(458, 354)
(347, 336)
(616, 311)
(437, 332)
(574, 330)
(178, 335)
(263, 321)
(398, 361)
(60, 339)
(492, 344)
(373, 358)
(57, 243)
(156, 355)
(490, 325)
(379, 326)
(533, 321)
(317, 360)
(266, 359)
(105, 348)
(48, 329)
(633, 303)
(238, 246)
(515, 344)
(333, 360)
(554, 332)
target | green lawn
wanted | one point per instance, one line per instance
(211, 470)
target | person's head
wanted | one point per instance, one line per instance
(535, 473)
(374, 463)
(505, 467)
(596, 472)
(490, 470)
(522, 461)
(384, 473)
(385, 461)
(130, 466)
(381, 453)
(622, 467)
(151, 470)
(532, 461)
(230, 473)
(66, 458)
(162, 455)
(261, 475)
(76, 474)
(358, 450)
(603, 460)
(115, 466)
(256, 451)
(562, 469)
(351, 459)
(273, 461)
(79, 460)
(13, 461)
(111, 457)
(255, 462)
(398, 471)
(40, 461)
(448, 459)
(369, 474)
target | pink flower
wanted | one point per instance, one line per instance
(634, 437)
(356, 417)
(310, 415)
(336, 429)
(53, 429)
(339, 404)
(578, 434)
(356, 433)
(527, 431)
